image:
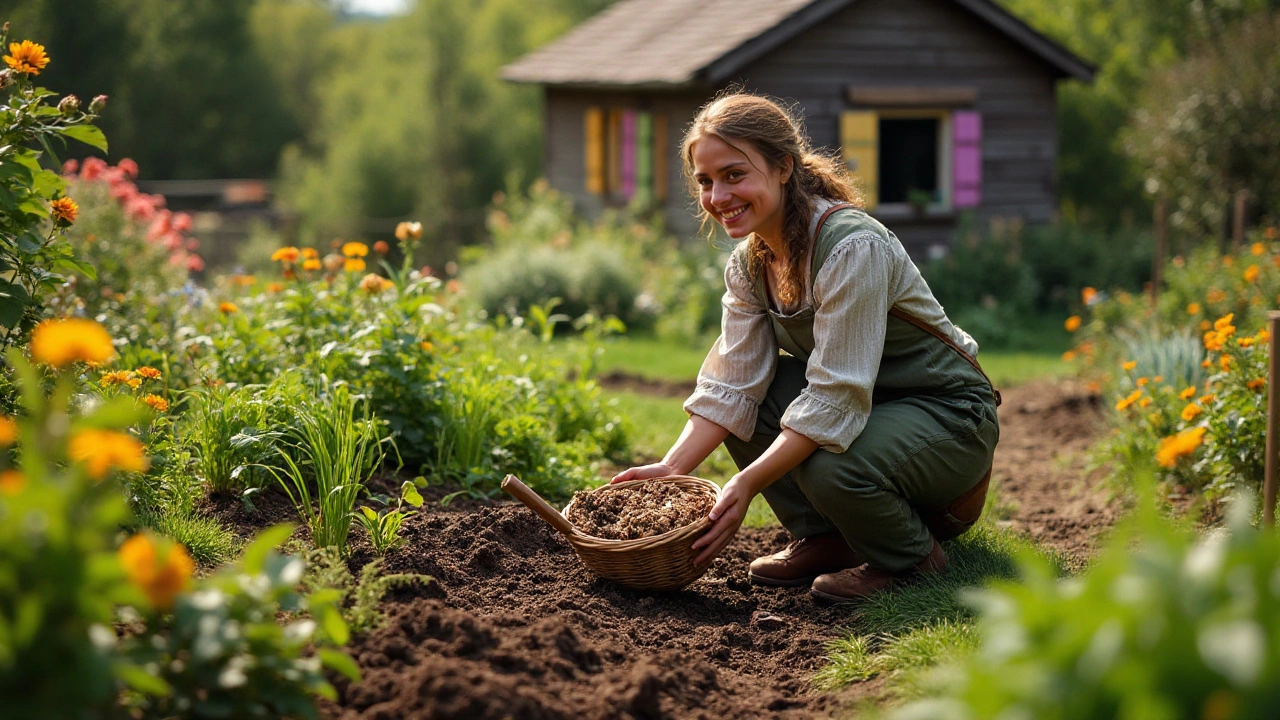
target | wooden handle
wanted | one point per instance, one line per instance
(512, 484)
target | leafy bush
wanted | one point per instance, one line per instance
(1158, 627)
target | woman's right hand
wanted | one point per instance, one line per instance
(644, 472)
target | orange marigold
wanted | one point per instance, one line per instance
(381, 247)
(1131, 399)
(1256, 383)
(353, 265)
(310, 254)
(1187, 394)
(1088, 295)
(1142, 381)
(1224, 362)
(148, 372)
(1068, 356)
(226, 308)
(8, 431)
(26, 57)
(275, 287)
(1206, 399)
(311, 264)
(1144, 402)
(286, 254)
(1180, 445)
(1193, 308)
(1129, 364)
(156, 402)
(65, 210)
(115, 377)
(12, 481)
(355, 249)
(1072, 324)
(103, 450)
(1251, 273)
(59, 343)
(160, 577)
(1190, 412)
(1257, 248)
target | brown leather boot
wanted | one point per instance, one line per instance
(859, 583)
(803, 560)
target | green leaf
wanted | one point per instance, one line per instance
(369, 513)
(13, 303)
(141, 680)
(410, 494)
(333, 625)
(256, 555)
(340, 662)
(87, 134)
(72, 265)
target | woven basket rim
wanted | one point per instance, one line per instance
(651, 540)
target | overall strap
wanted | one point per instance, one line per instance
(901, 315)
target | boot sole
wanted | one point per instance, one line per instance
(774, 582)
(837, 599)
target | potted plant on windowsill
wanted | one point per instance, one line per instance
(919, 200)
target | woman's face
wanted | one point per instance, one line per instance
(738, 188)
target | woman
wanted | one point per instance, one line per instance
(872, 438)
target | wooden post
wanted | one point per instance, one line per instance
(1237, 219)
(1157, 261)
(1273, 423)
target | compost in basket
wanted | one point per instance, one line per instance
(633, 511)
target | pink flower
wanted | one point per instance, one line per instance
(160, 225)
(129, 167)
(123, 191)
(172, 241)
(69, 167)
(193, 244)
(194, 263)
(92, 168)
(181, 222)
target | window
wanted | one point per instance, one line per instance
(915, 157)
(625, 154)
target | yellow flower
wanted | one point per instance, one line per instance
(1190, 412)
(355, 249)
(310, 254)
(311, 264)
(1257, 248)
(407, 230)
(1187, 394)
(1262, 336)
(1131, 399)
(1144, 402)
(426, 346)
(1193, 308)
(1072, 324)
(161, 579)
(1088, 295)
(61, 342)
(1129, 365)
(1251, 273)
(8, 431)
(1212, 342)
(156, 402)
(26, 57)
(12, 482)
(148, 372)
(134, 383)
(1224, 323)
(1142, 381)
(1179, 445)
(353, 265)
(286, 254)
(1245, 342)
(226, 308)
(1256, 383)
(65, 210)
(115, 377)
(1206, 399)
(102, 450)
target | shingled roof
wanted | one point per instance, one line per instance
(682, 43)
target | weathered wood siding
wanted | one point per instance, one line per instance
(871, 42)
(929, 43)
(564, 146)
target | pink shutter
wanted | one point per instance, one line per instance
(966, 143)
(628, 154)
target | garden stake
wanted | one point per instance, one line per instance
(1237, 224)
(1273, 424)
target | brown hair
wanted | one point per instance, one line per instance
(775, 133)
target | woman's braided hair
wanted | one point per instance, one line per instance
(738, 117)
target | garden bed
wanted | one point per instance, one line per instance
(512, 625)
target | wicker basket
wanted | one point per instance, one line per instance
(660, 562)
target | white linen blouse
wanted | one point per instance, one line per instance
(866, 273)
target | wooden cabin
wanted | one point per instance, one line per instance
(940, 107)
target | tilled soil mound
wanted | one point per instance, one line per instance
(514, 627)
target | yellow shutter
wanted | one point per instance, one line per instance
(860, 138)
(594, 152)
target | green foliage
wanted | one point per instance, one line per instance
(221, 653)
(360, 599)
(335, 445)
(1160, 626)
(35, 257)
(229, 431)
(384, 527)
(1210, 126)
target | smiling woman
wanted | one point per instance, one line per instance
(871, 435)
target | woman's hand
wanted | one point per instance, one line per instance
(726, 518)
(644, 472)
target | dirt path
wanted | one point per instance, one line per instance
(512, 625)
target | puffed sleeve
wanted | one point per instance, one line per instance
(851, 309)
(738, 370)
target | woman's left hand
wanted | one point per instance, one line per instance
(726, 518)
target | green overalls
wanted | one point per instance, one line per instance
(929, 439)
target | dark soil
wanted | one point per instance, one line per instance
(631, 512)
(513, 626)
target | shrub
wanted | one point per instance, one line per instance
(1158, 626)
